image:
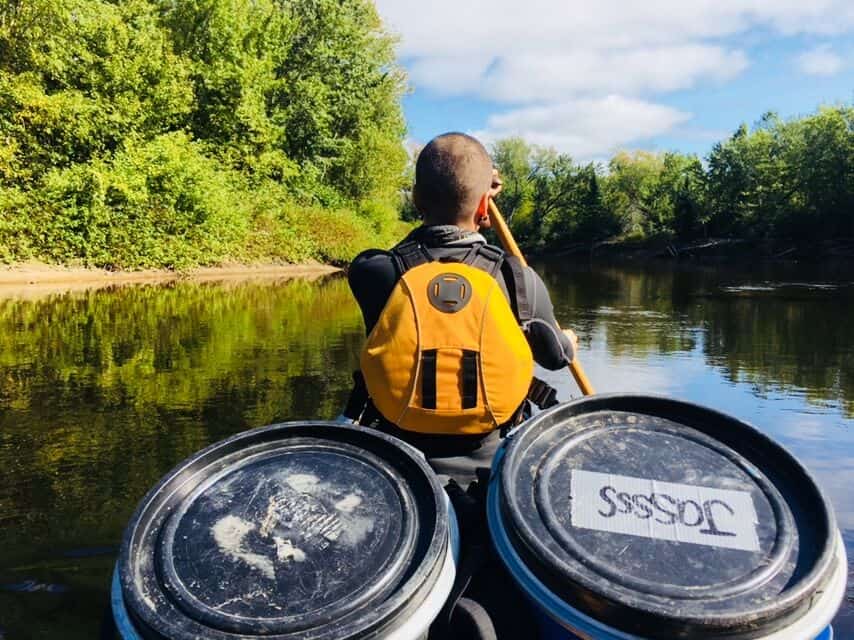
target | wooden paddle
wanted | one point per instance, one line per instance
(509, 243)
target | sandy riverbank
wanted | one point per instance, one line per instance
(37, 277)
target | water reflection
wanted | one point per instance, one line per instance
(103, 392)
(772, 345)
(761, 327)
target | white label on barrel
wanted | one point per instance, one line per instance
(664, 510)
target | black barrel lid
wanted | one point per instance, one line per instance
(290, 531)
(666, 519)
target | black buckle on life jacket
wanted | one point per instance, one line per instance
(409, 255)
(542, 394)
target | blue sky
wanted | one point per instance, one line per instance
(592, 78)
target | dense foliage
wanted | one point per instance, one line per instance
(142, 133)
(783, 179)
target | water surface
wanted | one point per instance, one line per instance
(102, 392)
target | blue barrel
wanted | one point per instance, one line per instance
(641, 517)
(295, 531)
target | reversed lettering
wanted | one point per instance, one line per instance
(664, 510)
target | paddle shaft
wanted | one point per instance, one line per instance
(509, 243)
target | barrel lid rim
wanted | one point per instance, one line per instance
(177, 588)
(776, 557)
(534, 587)
(378, 614)
(640, 403)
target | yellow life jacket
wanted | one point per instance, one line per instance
(447, 355)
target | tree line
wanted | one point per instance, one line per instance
(155, 133)
(780, 179)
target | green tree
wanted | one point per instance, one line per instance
(781, 179)
(160, 133)
(820, 150)
(682, 192)
(517, 164)
(555, 191)
(408, 211)
(631, 190)
(595, 220)
(79, 77)
(647, 191)
(786, 178)
(514, 159)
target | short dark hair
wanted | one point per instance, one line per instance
(452, 174)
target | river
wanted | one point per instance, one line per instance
(102, 392)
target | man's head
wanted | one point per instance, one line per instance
(453, 178)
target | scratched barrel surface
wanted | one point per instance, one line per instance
(299, 530)
(627, 516)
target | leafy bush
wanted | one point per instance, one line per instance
(149, 133)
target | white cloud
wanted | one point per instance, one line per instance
(449, 75)
(496, 27)
(533, 78)
(561, 56)
(820, 61)
(513, 50)
(585, 127)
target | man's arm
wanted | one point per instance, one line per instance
(552, 348)
(372, 276)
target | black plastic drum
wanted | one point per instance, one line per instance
(628, 514)
(302, 530)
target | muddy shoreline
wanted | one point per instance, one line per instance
(32, 278)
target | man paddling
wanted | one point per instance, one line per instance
(443, 368)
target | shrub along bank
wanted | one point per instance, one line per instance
(153, 133)
(781, 181)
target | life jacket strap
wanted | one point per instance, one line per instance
(409, 255)
(486, 258)
(523, 307)
(358, 398)
(428, 378)
(542, 394)
(469, 379)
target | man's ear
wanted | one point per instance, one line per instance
(483, 206)
(481, 216)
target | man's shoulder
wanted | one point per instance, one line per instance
(372, 262)
(371, 269)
